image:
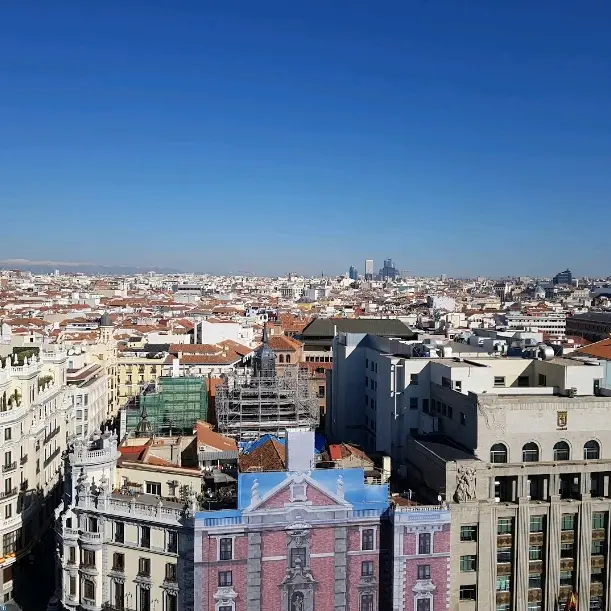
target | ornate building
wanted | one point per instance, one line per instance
(301, 540)
(125, 544)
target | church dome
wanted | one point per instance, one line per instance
(105, 321)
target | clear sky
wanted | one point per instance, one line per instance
(457, 136)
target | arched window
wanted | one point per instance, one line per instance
(281, 358)
(591, 450)
(288, 358)
(562, 451)
(498, 453)
(530, 452)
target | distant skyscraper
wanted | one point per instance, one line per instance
(565, 277)
(353, 274)
(368, 269)
(389, 271)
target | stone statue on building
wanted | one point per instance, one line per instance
(465, 484)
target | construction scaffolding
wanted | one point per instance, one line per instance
(248, 406)
(172, 407)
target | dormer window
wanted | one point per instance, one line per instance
(298, 492)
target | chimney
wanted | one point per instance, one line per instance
(175, 368)
(299, 450)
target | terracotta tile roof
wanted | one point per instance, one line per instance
(208, 359)
(281, 343)
(236, 347)
(345, 450)
(269, 456)
(206, 436)
(600, 349)
(194, 349)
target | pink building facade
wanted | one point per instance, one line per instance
(299, 541)
(421, 558)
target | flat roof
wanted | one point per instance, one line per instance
(444, 448)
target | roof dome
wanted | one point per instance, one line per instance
(105, 321)
(264, 360)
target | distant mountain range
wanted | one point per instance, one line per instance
(91, 269)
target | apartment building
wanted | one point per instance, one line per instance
(124, 529)
(34, 418)
(518, 448)
(594, 326)
(552, 323)
(87, 395)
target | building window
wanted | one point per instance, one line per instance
(367, 568)
(598, 548)
(144, 567)
(423, 604)
(7, 434)
(145, 537)
(119, 532)
(537, 524)
(597, 575)
(170, 571)
(88, 589)
(425, 406)
(413, 379)
(413, 402)
(226, 548)
(503, 555)
(367, 539)
(591, 450)
(72, 555)
(8, 511)
(566, 578)
(88, 558)
(504, 526)
(446, 382)
(468, 592)
(468, 533)
(321, 391)
(424, 543)
(92, 525)
(172, 542)
(298, 557)
(498, 453)
(153, 488)
(367, 602)
(171, 601)
(562, 451)
(502, 583)
(145, 599)
(468, 563)
(530, 452)
(568, 521)
(424, 571)
(567, 550)
(225, 579)
(119, 595)
(118, 562)
(598, 520)
(72, 585)
(503, 607)
(535, 581)
(542, 380)
(523, 381)
(535, 552)
(499, 381)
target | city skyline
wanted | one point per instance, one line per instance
(432, 125)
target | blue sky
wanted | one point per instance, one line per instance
(457, 136)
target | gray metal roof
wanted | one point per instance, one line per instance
(443, 447)
(602, 317)
(384, 327)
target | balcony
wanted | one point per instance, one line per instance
(52, 457)
(91, 537)
(8, 493)
(50, 436)
(9, 467)
(24, 459)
